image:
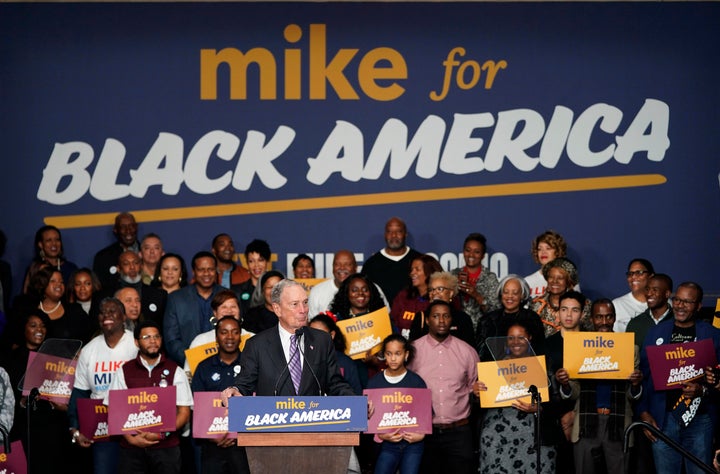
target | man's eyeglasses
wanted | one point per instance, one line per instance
(681, 302)
(147, 337)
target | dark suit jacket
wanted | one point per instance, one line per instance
(264, 366)
(152, 299)
(104, 260)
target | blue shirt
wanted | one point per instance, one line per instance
(214, 375)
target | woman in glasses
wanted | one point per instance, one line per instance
(444, 286)
(633, 303)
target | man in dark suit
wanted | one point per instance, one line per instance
(152, 299)
(266, 359)
(106, 260)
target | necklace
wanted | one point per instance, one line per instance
(52, 310)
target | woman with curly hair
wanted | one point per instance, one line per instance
(545, 248)
(356, 296)
(561, 275)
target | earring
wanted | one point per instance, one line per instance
(179, 279)
(159, 278)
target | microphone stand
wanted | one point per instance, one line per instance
(31, 406)
(536, 398)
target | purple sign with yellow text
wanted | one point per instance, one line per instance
(93, 418)
(210, 417)
(673, 364)
(53, 376)
(142, 409)
(400, 409)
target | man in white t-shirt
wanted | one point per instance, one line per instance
(322, 294)
(97, 364)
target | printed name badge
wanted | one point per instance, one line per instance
(673, 364)
(599, 355)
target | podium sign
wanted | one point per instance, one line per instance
(297, 414)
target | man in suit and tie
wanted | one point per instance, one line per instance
(291, 358)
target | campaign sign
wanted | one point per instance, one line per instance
(93, 418)
(599, 355)
(309, 283)
(400, 409)
(673, 364)
(53, 376)
(365, 333)
(210, 417)
(297, 414)
(509, 380)
(142, 409)
(197, 354)
(13, 462)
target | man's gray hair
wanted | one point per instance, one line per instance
(280, 287)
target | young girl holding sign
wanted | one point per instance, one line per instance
(400, 450)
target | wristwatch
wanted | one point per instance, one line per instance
(75, 436)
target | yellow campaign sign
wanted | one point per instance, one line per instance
(599, 355)
(509, 380)
(309, 283)
(197, 354)
(365, 333)
(716, 319)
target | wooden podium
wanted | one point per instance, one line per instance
(298, 453)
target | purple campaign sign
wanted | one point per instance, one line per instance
(53, 376)
(142, 409)
(13, 462)
(210, 418)
(404, 409)
(93, 418)
(673, 364)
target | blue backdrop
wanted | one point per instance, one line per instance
(596, 120)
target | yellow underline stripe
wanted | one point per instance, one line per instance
(272, 427)
(355, 200)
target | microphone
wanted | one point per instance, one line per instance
(533, 390)
(33, 397)
(286, 368)
(298, 334)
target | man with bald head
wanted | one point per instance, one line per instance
(389, 267)
(152, 299)
(322, 294)
(105, 261)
